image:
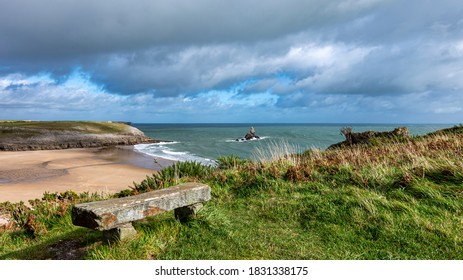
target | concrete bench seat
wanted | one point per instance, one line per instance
(115, 216)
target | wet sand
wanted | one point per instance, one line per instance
(28, 174)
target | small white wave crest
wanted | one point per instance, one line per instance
(239, 140)
(162, 150)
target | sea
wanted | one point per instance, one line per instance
(205, 143)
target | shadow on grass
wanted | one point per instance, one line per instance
(70, 246)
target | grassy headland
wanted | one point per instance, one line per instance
(50, 135)
(392, 199)
(80, 126)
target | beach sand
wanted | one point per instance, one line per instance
(29, 174)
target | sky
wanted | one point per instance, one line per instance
(221, 61)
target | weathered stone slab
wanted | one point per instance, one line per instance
(113, 213)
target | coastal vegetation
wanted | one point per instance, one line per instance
(388, 198)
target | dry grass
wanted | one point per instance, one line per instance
(276, 151)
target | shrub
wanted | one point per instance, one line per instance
(170, 176)
(230, 162)
(43, 214)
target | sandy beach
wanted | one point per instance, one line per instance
(28, 174)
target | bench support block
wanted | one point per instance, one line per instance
(123, 232)
(184, 214)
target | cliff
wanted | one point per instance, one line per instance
(38, 135)
(354, 138)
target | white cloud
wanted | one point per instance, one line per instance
(448, 110)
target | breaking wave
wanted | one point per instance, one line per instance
(166, 150)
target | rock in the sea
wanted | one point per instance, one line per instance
(251, 135)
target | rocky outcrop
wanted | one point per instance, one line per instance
(5, 221)
(251, 135)
(26, 139)
(457, 129)
(353, 138)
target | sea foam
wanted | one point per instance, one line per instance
(166, 151)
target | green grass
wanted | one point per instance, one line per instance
(78, 126)
(400, 200)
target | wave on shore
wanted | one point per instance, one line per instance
(164, 150)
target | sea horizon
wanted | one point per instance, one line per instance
(291, 123)
(205, 142)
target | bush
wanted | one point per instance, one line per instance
(170, 176)
(230, 162)
(43, 214)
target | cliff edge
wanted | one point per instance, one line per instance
(355, 138)
(41, 135)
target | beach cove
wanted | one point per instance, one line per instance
(26, 175)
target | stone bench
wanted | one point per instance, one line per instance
(115, 216)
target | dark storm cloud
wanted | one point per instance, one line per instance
(296, 53)
(55, 36)
(64, 29)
